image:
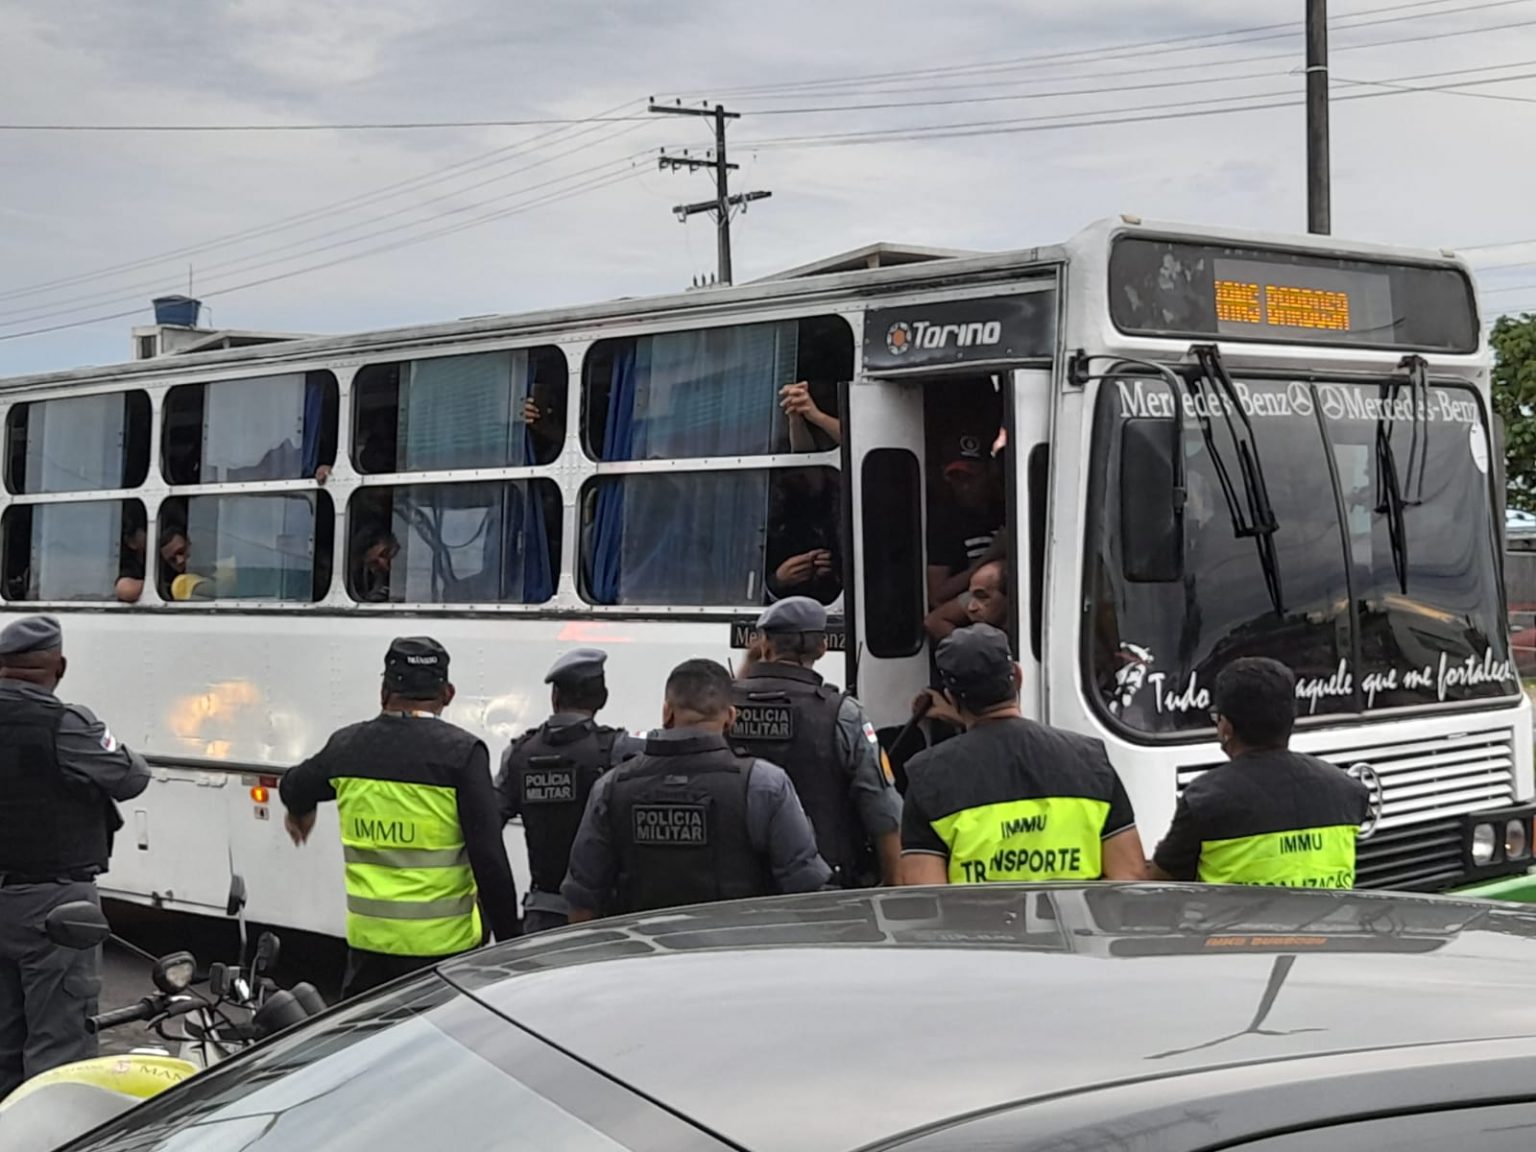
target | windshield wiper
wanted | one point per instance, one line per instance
(1392, 502)
(1211, 386)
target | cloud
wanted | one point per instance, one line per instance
(1420, 169)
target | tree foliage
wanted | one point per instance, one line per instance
(1514, 399)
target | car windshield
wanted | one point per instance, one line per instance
(1385, 561)
(420, 1068)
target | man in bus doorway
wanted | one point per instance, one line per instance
(1269, 816)
(689, 821)
(787, 715)
(60, 771)
(1009, 799)
(547, 774)
(420, 831)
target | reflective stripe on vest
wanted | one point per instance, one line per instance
(1052, 838)
(410, 887)
(1302, 858)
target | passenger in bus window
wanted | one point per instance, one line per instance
(985, 601)
(800, 404)
(175, 556)
(132, 559)
(803, 552)
(373, 551)
(544, 414)
(965, 516)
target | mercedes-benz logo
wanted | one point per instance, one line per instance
(1364, 773)
(1299, 397)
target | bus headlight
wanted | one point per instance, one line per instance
(1517, 844)
(1484, 845)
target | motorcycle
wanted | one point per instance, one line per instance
(238, 1006)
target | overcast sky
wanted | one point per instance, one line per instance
(105, 218)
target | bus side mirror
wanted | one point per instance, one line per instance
(1151, 511)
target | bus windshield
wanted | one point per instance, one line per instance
(1382, 591)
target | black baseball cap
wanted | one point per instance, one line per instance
(976, 665)
(416, 667)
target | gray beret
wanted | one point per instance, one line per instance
(31, 634)
(576, 666)
(794, 614)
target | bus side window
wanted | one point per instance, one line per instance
(260, 428)
(731, 538)
(489, 541)
(893, 588)
(503, 409)
(79, 550)
(246, 546)
(1038, 480)
(78, 444)
(729, 391)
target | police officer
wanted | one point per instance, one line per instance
(547, 774)
(689, 820)
(60, 771)
(1009, 799)
(420, 831)
(1270, 816)
(787, 715)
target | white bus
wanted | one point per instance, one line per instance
(1216, 445)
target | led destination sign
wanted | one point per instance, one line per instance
(1170, 288)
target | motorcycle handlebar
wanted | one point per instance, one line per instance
(149, 1008)
(145, 1009)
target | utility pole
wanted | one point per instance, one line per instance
(720, 207)
(1319, 210)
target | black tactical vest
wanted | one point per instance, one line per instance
(678, 819)
(553, 770)
(786, 715)
(50, 827)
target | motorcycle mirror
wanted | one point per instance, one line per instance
(79, 924)
(236, 903)
(309, 998)
(218, 979)
(268, 949)
(175, 972)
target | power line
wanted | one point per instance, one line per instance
(1506, 96)
(65, 307)
(1124, 51)
(1109, 90)
(1059, 121)
(565, 194)
(355, 126)
(438, 175)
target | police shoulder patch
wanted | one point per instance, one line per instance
(108, 741)
(869, 734)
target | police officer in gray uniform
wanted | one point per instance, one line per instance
(689, 820)
(787, 714)
(60, 771)
(547, 774)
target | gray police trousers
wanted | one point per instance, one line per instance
(46, 992)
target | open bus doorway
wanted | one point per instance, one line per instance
(934, 478)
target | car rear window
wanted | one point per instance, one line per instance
(419, 1068)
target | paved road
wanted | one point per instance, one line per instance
(126, 977)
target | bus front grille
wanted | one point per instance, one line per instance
(1426, 787)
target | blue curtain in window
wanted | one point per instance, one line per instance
(683, 538)
(314, 417)
(525, 512)
(618, 441)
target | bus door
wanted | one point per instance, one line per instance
(932, 452)
(884, 600)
